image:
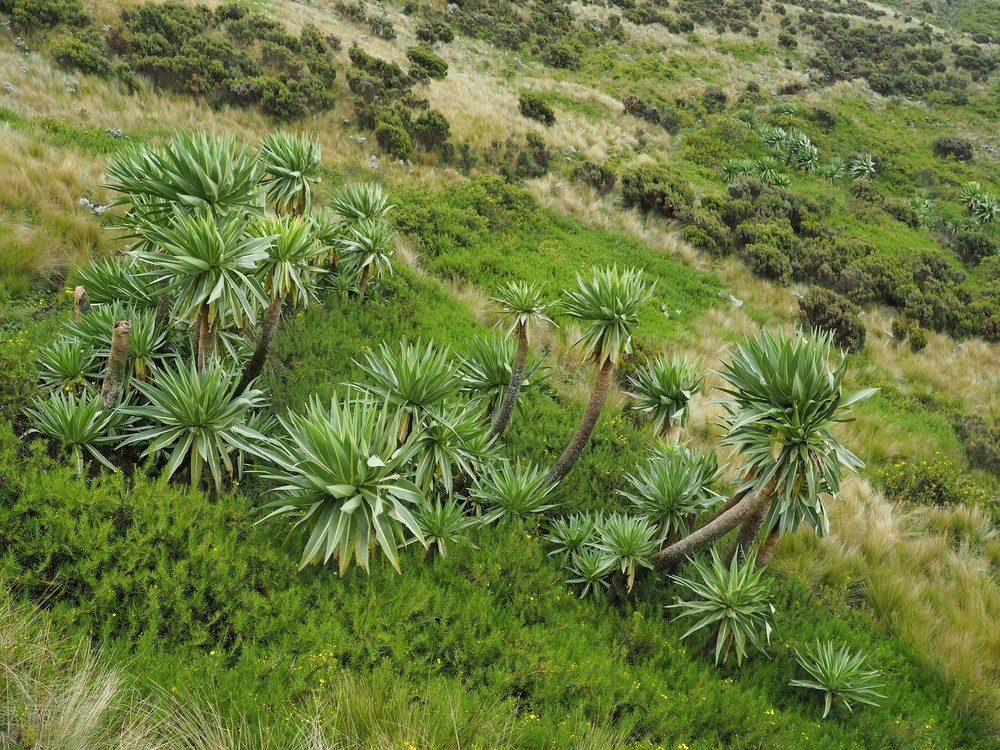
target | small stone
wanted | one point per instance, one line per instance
(9, 87)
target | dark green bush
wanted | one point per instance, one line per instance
(382, 27)
(657, 188)
(597, 176)
(431, 129)
(561, 54)
(767, 261)
(234, 56)
(517, 160)
(423, 58)
(433, 31)
(953, 146)
(29, 15)
(533, 105)
(973, 247)
(84, 53)
(825, 309)
(391, 134)
(918, 340)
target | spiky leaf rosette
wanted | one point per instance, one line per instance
(735, 599)
(485, 370)
(194, 172)
(196, 416)
(368, 244)
(629, 541)
(340, 473)
(288, 270)
(449, 442)
(607, 305)
(411, 379)
(663, 389)
(68, 364)
(783, 397)
(118, 279)
(206, 261)
(667, 492)
(361, 201)
(840, 674)
(290, 163)
(77, 424)
(148, 342)
(509, 490)
(522, 306)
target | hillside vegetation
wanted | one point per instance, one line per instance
(454, 328)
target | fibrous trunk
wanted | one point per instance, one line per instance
(582, 435)
(256, 364)
(715, 529)
(81, 301)
(206, 340)
(366, 276)
(514, 387)
(114, 379)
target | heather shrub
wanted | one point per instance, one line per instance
(599, 177)
(424, 60)
(533, 105)
(954, 147)
(829, 311)
(659, 189)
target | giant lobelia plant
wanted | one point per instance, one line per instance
(341, 473)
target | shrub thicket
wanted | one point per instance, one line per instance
(531, 104)
(824, 308)
(953, 146)
(233, 56)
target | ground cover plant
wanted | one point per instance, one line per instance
(524, 614)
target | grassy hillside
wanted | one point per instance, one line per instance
(521, 141)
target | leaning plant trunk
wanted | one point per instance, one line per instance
(582, 435)
(715, 529)
(747, 536)
(114, 379)
(514, 387)
(256, 364)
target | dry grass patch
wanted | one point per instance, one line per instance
(930, 576)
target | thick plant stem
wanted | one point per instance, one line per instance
(572, 453)
(746, 537)
(366, 276)
(206, 342)
(256, 363)
(114, 379)
(514, 387)
(81, 301)
(715, 529)
(767, 548)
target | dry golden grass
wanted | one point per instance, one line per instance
(929, 575)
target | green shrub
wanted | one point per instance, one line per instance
(767, 261)
(825, 309)
(382, 27)
(84, 53)
(433, 31)
(657, 188)
(953, 146)
(973, 247)
(533, 105)
(599, 177)
(937, 481)
(391, 134)
(28, 15)
(423, 58)
(918, 340)
(431, 129)
(561, 54)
